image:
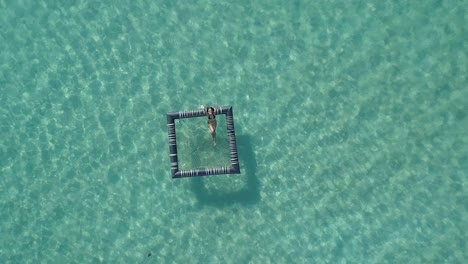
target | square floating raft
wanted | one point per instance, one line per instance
(171, 132)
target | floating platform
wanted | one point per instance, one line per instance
(234, 168)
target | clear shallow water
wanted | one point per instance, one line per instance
(350, 116)
(195, 147)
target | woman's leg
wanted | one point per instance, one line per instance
(212, 127)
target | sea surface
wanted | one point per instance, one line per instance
(351, 122)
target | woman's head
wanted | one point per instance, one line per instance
(210, 109)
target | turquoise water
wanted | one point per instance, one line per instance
(351, 125)
(195, 144)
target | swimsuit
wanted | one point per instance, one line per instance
(211, 118)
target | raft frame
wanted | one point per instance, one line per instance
(171, 132)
